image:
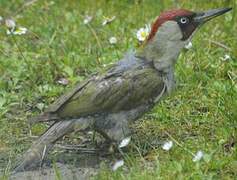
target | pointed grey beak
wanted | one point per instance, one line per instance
(208, 15)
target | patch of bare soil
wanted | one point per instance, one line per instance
(69, 166)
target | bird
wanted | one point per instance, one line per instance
(110, 101)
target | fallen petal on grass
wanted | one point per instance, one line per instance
(125, 142)
(167, 145)
(10, 23)
(226, 57)
(188, 46)
(17, 31)
(198, 156)
(108, 20)
(20, 31)
(63, 81)
(113, 40)
(9, 32)
(87, 19)
(117, 164)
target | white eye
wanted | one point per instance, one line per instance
(184, 20)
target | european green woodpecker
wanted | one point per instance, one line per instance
(109, 102)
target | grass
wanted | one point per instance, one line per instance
(200, 115)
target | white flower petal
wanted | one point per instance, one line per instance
(188, 46)
(63, 81)
(143, 33)
(167, 145)
(9, 32)
(198, 156)
(10, 23)
(20, 31)
(226, 57)
(90, 132)
(113, 40)
(108, 20)
(117, 165)
(124, 142)
(87, 19)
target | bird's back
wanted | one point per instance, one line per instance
(128, 84)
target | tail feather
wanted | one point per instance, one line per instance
(35, 155)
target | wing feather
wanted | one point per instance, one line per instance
(105, 94)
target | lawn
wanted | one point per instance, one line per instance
(59, 49)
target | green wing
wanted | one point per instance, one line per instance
(106, 94)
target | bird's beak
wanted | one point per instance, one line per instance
(208, 15)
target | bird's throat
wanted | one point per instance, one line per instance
(163, 57)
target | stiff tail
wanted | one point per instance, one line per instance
(43, 118)
(35, 155)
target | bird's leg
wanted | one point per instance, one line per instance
(113, 137)
(106, 146)
(115, 127)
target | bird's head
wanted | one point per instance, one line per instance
(172, 30)
(186, 21)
